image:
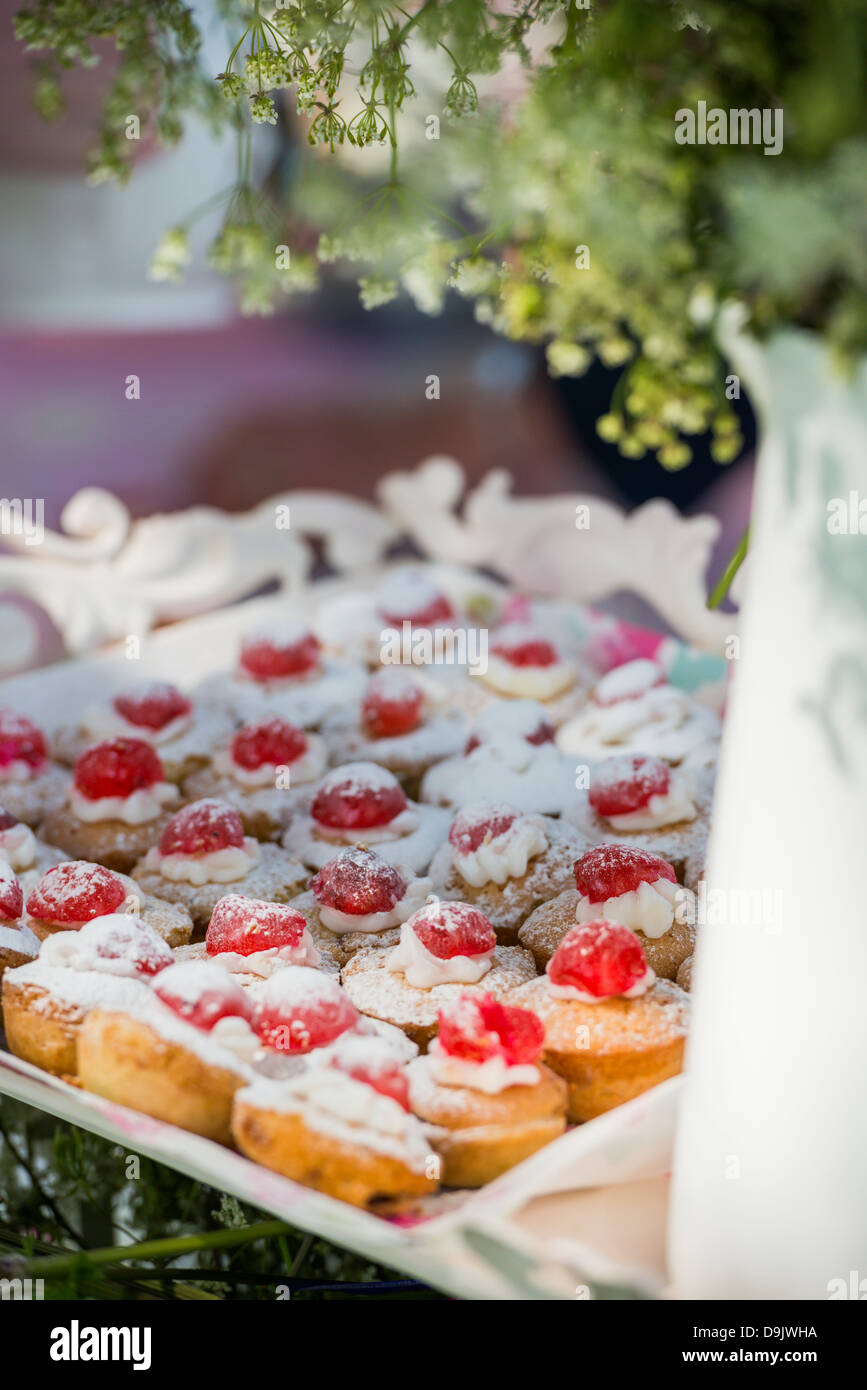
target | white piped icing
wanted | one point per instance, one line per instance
(650, 908)
(336, 1104)
(104, 721)
(306, 768)
(18, 770)
(491, 1076)
(80, 990)
(18, 846)
(415, 897)
(404, 823)
(423, 970)
(220, 866)
(80, 949)
(505, 856)
(141, 806)
(528, 682)
(666, 808)
(572, 992)
(661, 720)
(530, 777)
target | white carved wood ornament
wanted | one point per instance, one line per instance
(105, 576)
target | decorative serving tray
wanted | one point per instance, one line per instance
(587, 1210)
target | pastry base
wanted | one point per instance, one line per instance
(283, 1142)
(124, 1060)
(42, 1034)
(629, 1044)
(32, 801)
(545, 928)
(112, 843)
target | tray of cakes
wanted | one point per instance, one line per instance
(374, 905)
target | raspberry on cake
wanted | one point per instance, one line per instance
(630, 886)
(404, 723)
(267, 771)
(258, 937)
(411, 596)
(482, 1085)
(633, 709)
(203, 850)
(442, 948)
(364, 803)
(524, 663)
(611, 1029)
(31, 785)
(117, 804)
(638, 800)
(299, 1010)
(75, 892)
(108, 962)
(156, 712)
(284, 672)
(509, 756)
(505, 861)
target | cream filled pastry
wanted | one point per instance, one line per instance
(344, 1128)
(510, 756)
(119, 801)
(443, 947)
(527, 665)
(629, 886)
(203, 853)
(18, 944)
(637, 800)
(179, 1054)
(481, 1084)
(505, 862)
(358, 899)
(31, 786)
(108, 962)
(612, 1030)
(364, 803)
(633, 709)
(267, 770)
(401, 724)
(182, 733)
(282, 671)
(252, 937)
(74, 892)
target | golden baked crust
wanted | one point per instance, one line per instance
(545, 928)
(125, 1060)
(460, 1107)
(473, 1157)
(611, 1051)
(276, 878)
(382, 994)
(40, 1028)
(283, 1142)
(110, 842)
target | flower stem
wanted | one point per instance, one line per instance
(724, 582)
(169, 1247)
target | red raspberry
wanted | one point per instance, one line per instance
(453, 929)
(524, 648)
(392, 705)
(245, 925)
(11, 895)
(291, 653)
(7, 821)
(21, 741)
(476, 1026)
(117, 767)
(627, 783)
(358, 796)
(127, 939)
(357, 881)
(202, 993)
(203, 827)
(271, 741)
(153, 706)
(76, 892)
(599, 958)
(369, 1060)
(544, 733)
(300, 1009)
(611, 870)
(475, 824)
